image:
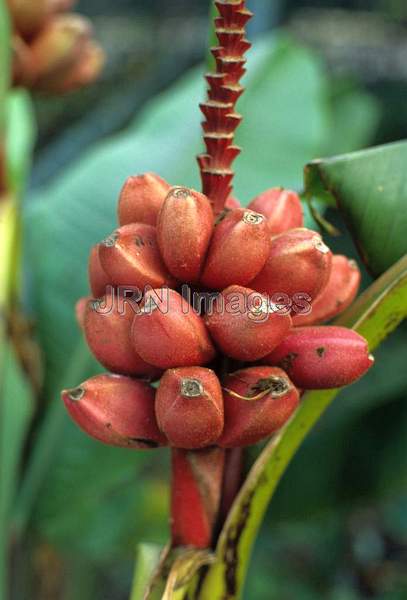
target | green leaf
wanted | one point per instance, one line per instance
(16, 408)
(355, 114)
(375, 314)
(20, 139)
(176, 568)
(48, 437)
(19, 143)
(188, 562)
(148, 557)
(370, 190)
(5, 56)
(280, 126)
(4, 61)
(212, 38)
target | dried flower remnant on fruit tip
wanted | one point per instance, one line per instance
(252, 218)
(276, 386)
(191, 388)
(221, 118)
(75, 394)
(110, 240)
(321, 246)
(179, 192)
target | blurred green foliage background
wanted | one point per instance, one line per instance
(324, 78)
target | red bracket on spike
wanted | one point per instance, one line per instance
(221, 119)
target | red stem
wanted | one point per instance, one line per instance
(195, 495)
(224, 91)
(232, 480)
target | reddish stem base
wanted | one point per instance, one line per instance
(232, 480)
(197, 477)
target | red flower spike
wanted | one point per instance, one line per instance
(189, 407)
(220, 121)
(340, 292)
(219, 152)
(98, 278)
(116, 410)
(195, 495)
(107, 325)
(282, 208)
(141, 199)
(224, 91)
(245, 325)
(233, 14)
(130, 256)
(168, 333)
(257, 402)
(238, 251)
(299, 263)
(184, 230)
(322, 357)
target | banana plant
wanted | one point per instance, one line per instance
(369, 189)
(215, 515)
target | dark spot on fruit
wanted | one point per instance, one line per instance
(288, 361)
(321, 351)
(138, 240)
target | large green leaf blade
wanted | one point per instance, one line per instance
(147, 560)
(4, 61)
(20, 139)
(375, 314)
(16, 408)
(370, 189)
